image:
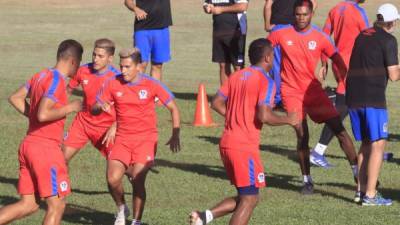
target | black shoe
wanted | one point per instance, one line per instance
(307, 189)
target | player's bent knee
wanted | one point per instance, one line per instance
(336, 125)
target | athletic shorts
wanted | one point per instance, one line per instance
(43, 170)
(244, 168)
(81, 132)
(369, 123)
(132, 152)
(153, 44)
(316, 104)
(229, 48)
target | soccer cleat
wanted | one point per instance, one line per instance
(358, 197)
(319, 160)
(378, 200)
(307, 189)
(121, 216)
(196, 218)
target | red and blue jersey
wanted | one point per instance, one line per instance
(301, 52)
(135, 106)
(345, 21)
(49, 83)
(244, 91)
(91, 82)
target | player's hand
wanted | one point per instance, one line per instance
(323, 71)
(75, 105)
(215, 10)
(140, 14)
(110, 135)
(293, 120)
(207, 8)
(106, 107)
(174, 142)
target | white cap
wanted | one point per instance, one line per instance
(389, 12)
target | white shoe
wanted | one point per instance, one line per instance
(195, 219)
(121, 216)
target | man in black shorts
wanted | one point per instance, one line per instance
(229, 34)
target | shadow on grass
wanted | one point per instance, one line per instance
(189, 96)
(7, 180)
(394, 138)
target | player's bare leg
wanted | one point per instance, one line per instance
(156, 70)
(143, 67)
(55, 210)
(115, 173)
(224, 72)
(244, 209)
(363, 158)
(138, 175)
(27, 205)
(374, 166)
(69, 152)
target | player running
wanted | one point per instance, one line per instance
(345, 21)
(302, 45)
(99, 129)
(245, 100)
(132, 94)
(43, 173)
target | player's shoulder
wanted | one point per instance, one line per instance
(113, 70)
(281, 28)
(317, 31)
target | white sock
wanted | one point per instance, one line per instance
(121, 208)
(320, 148)
(209, 216)
(136, 222)
(307, 179)
(354, 169)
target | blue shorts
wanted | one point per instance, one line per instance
(153, 43)
(369, 123)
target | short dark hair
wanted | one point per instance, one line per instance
(306, 3)
(69, 48)
(133, 53)
(105, 44)
(258, 49)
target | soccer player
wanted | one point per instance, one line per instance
(246, 101)
(43, 172)
(279, 12)
(99, 129)
(229, 34)
(132, 94)
(374, 60)
(345, 21)
(302, 45)
(151, 33)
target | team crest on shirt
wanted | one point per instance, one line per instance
(85, 82)
(143, 94)
(312, 45)
(119, 93)
(64, 186)
(261, 178)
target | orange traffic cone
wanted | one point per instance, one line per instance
(202, 116)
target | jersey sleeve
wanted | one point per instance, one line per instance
(328, 47)
(163, 93)
(266, 93)
(55, 88)
(105, 93)
(76, 80)
(328, 27)
(390, 52)
(223, 91)
(273, 37)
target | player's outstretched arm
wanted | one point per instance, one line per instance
(18, 100)
(47, 112)
(340, 64)
(218, 104)
(266, 115)
(267, 15)
(174, 142)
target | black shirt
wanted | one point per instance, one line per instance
(283, 12)
(229, 23)
(158, 14)
(374, 50)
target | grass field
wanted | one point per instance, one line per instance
(193, 178)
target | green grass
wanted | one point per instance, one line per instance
(193, 178)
